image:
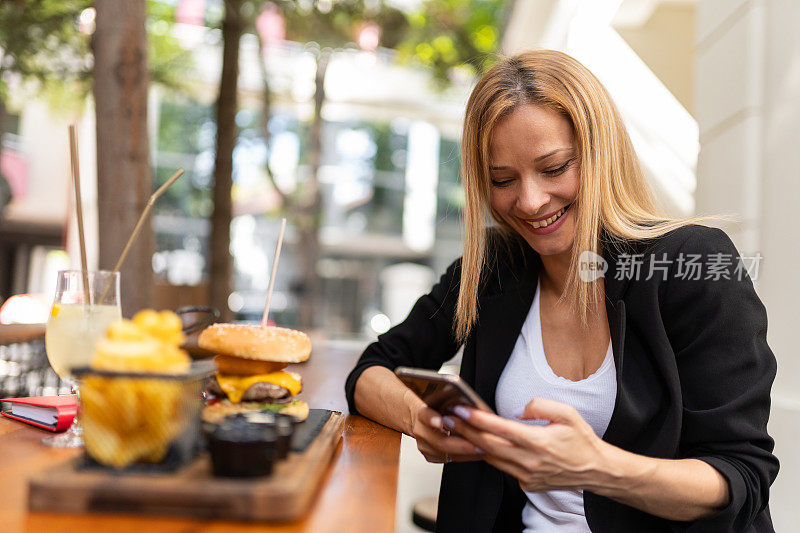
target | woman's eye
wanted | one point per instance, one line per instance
(501, 182)
(558, 170)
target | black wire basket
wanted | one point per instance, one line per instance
(135, 420)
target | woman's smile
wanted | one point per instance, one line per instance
(547, 224)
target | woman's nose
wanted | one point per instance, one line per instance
(531, 197)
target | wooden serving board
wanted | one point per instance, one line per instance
(192, 491)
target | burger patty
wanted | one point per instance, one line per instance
(258, 392)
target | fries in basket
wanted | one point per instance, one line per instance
(135, 419)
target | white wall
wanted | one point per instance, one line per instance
(671, 23)
(50, 196)
(45, 146)
(748, 109)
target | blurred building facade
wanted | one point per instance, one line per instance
(389, 178)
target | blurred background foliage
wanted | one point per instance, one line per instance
(42, 41)
(49, 42)
(454, 38)
(345, 175)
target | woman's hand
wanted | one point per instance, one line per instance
(565, 454)
(434, 441)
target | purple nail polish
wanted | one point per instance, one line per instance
(461, 412)
(448, 422)
(479, 451)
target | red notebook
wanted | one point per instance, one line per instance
(49, 412)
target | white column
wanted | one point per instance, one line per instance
(422, 178)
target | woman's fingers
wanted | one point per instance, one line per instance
(431, 418)
(500, 437)
(530, 480)
(547, 409)
(454, 445)
(434, 455)
(452, 449)
(466, 458)
(431, 454)
(485, 442)
(511, 468)
(436, 444)
(435, 429)
(510, 430)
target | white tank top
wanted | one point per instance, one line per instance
(528, 375)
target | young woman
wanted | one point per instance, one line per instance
(631, 397)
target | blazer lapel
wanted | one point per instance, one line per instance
(615, 306)
(615, 289)
(499, 325)
(500, 320)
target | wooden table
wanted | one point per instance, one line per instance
(357, 495)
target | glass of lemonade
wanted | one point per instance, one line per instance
(74, 327)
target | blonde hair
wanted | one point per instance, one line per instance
(613, 199)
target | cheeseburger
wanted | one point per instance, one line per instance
(250, 373)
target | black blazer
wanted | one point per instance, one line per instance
(694, 374)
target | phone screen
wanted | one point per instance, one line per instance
(440, 397)
(441, 392)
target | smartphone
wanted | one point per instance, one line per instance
(441, 392)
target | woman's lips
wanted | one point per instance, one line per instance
(546, 216)
(553, 222)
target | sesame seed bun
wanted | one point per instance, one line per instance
(280, 345)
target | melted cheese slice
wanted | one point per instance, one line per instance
(236, 386)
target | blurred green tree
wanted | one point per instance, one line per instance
(235, 17)
(454, 38)
(47, 42)
(168, 63)
(220, 260)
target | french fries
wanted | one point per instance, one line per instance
(127, 419)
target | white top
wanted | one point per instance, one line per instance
(528, 375)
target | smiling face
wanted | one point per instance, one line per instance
(535, 171)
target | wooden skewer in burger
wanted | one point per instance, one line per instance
(251, 360)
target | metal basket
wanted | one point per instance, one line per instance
(140, 421)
